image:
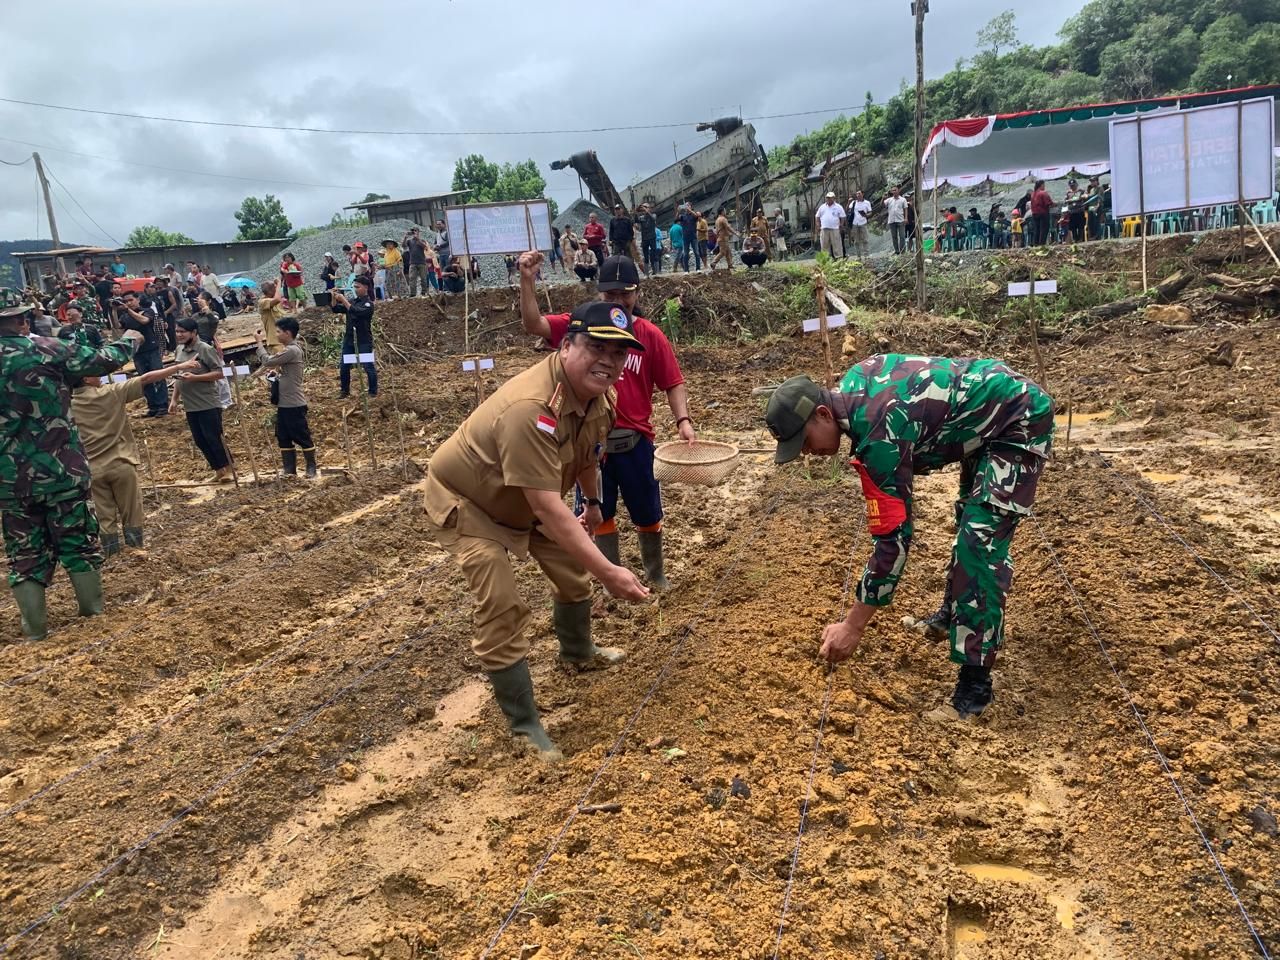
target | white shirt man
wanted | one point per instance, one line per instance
(860, 209)
(830, 218)
(895, 206)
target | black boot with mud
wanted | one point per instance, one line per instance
(936, 626)
(513, 689)
(971, 697)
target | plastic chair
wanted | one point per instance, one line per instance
(1129, 226)
(1264, 212)
(975, 234)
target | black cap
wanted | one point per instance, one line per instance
(602, 320)
(618, 273)
(790, 408)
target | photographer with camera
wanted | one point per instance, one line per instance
(148, 356)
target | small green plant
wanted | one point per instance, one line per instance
(670, 320)
(1119, 412)
(620, 939)
(216, 680)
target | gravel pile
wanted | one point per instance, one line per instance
(310, 252)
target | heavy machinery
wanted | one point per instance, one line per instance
(731, 166)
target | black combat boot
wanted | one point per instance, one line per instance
(973, 691)
(309, 455)
(937, 625)
(110, 544)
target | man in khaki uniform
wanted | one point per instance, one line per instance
(101, 415)
(496, 488)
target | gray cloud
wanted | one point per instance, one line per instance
(453, 66)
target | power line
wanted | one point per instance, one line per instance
(63, 207)
(239, 125)
(195, 173)
(81, 206)
(10, 163)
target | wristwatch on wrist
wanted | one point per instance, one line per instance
(593, 502)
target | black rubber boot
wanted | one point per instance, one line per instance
(110, 544)
(572, 622)
(973, 691)
(937, 625)
(29, 595)
(513, 689)
(651, 558)
(607, 543)
(133, 537)
(88, 588)
(288, 463)
(310, 457)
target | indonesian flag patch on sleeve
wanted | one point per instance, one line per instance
(546, 424)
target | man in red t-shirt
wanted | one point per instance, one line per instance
(628, 461)
(594, 235)
(291, 274)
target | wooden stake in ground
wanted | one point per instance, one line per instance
(528, 222)
(820, 284)
(1034, 326)
(151, 472)
(1142, 209)
(346, 440)
(1244, 210)
(466, 288)
(395, 403)
(244, 430)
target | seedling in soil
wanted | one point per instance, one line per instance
(216, 679)
(619, 938)
(159, 941)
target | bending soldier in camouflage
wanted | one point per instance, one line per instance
(909, 415)
(44, 475)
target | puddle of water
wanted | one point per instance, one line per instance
(1078, 417)
(966, 931)
(1064, 905)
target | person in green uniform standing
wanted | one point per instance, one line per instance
(44, 474)
(909, 415)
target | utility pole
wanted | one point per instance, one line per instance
(48, 206)
(919, 8)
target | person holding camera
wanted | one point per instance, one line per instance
(148, 356)
(358, 336)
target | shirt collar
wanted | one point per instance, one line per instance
(571, 401)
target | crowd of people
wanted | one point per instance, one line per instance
(1082, 215)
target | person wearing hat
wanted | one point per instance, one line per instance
(627, 470)
(622, 231)
(417, 252)
(393, 265)
(909, 415)
(44, 474)
(830, 221)
(329, 272)
(496, 490)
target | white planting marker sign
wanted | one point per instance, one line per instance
(1023, 288)
(470, 365)
(357, 358)
(814, 324)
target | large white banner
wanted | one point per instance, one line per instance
(1193, 158)
(477, 228)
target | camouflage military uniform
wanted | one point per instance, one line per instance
(91, 309)
(44, 475)
(911, 415)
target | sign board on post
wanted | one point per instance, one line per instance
(486, 228)
(1193, 158)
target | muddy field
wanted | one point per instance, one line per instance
(276, 744)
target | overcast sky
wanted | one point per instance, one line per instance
(478, 65)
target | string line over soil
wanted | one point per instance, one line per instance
(260, 665)
(668, 662)
(214, 789)
(1160, 757)
(813, 764)
(1150, 508)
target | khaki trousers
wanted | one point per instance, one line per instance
(117, 497)
(501, 616)
(832, 243)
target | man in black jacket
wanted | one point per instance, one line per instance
(358, 337)
(648, 225)
(621, 232)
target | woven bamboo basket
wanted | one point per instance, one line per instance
(704, 463)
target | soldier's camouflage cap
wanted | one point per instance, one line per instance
(790, 408)
(17, 311)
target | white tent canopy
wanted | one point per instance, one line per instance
(1046, 144)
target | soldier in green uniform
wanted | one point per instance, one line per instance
(907, 415)
(44, 475)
